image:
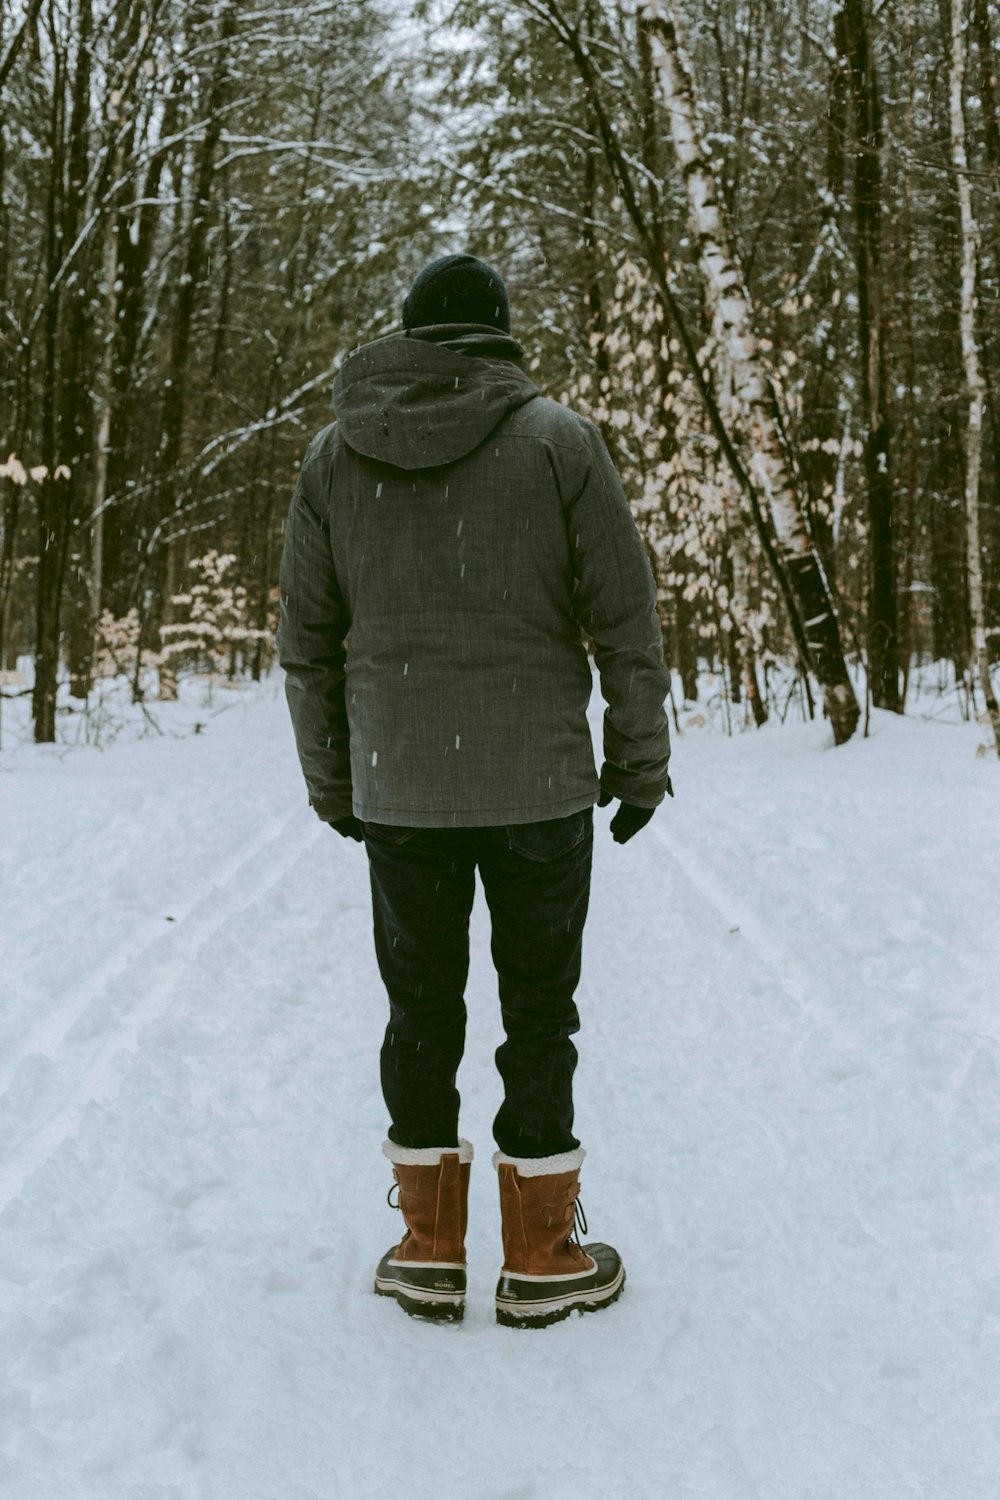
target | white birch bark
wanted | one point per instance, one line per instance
(727, 296)
(974, 382)
(741, 362)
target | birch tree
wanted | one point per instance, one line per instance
(975, 389)
(771, 462)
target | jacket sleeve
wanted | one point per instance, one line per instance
(312, 628)
(615, 603)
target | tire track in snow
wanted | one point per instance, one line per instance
(212, 904)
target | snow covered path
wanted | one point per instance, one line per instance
(788, 1089)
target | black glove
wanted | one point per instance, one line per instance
(349, 827)
(627, 820)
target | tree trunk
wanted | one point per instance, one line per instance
(989, 91)
(989, 65)
(683, 652)
(174, 400)
(821, 461)
(106, 377)
(74, 402)
(122, 585)
(975, 389)
(744, 677)
(64, 410)
(53, 526)
(906, 324)
(883, 643)
(772, 462)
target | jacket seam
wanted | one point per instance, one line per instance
(411, 809)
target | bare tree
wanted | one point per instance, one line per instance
(970, 359)
(739, 357)
(853, 30)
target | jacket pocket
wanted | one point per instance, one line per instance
(388, 833)
(551, 838)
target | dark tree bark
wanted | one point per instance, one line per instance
(129, 418)
(989, 89)
(854, 39)
(902, 249)
(169, 568)
(683, 644)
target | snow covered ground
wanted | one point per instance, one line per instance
(788, 1089)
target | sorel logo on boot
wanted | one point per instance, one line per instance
(444, 1286)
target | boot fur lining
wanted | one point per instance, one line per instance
(426, 1156)
(542, 1166)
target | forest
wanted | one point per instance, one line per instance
(756, 244)
(756, 241)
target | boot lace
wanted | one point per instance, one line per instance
(388, 1196)
(579, 1220)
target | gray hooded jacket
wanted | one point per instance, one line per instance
(448, 536)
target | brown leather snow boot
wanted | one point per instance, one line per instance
(546, 1273)
(425, 1272)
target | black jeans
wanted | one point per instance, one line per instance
(536, 877)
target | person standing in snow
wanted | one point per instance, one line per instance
(449, 535)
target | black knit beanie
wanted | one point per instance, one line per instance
(457, 289)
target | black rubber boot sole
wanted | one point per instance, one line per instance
(432, 1292)
(516, 1311)
(544, 1320)
(436, 1312)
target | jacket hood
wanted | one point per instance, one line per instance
(429, 396)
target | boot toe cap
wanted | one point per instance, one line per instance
(607, 1259)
